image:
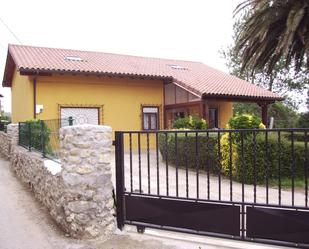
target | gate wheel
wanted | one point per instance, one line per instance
(140, 229)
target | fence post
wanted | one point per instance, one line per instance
(119, 154)
(29, 136)
(42, 138)
(18, 133)
(70, 121)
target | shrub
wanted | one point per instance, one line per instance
(243, 167)
(190, 122)
(36, 127)
(303, 121)
(245, 121)
(206, 153)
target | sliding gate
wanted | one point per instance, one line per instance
(241, 184)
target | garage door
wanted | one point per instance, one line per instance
(81, 115)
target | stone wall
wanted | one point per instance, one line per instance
(8, 140)
(5, 145)
(47, 186)
(77, 193)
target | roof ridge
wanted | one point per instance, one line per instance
(92, 51)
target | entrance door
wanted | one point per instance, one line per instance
(81, 115)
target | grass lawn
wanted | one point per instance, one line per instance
(287, 183)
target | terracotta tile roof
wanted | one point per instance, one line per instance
(193, 76)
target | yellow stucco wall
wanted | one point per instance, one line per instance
(225, 110)
(121, 98)
(22, 98)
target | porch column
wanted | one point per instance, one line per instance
(264, 110)
(202, 109)
(206, 111)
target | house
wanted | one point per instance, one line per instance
(125, 92)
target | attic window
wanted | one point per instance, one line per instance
(178, 67)
(73, 58)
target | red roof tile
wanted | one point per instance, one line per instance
(193, 76)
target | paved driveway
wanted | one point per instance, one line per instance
(26, 224)
(168, 175)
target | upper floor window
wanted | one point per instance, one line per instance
(150, 115)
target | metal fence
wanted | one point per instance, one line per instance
(4, 124)
(42, 136)
(258, 176)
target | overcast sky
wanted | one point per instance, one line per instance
(188, 30)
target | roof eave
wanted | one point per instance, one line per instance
(38, 71)
(8, 71)
(243, 98)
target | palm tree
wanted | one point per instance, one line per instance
(274, 30)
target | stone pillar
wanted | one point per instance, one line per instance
(88, 201)
(13, 136)
(12, 131)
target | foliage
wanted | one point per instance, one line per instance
(39, 134)
(274, 30)
(258, 162)
(284, 115)
(190, 122)
(283, 79)
(245, 121)
(190, 152)
(303, 121)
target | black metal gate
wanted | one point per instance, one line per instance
(241, 184)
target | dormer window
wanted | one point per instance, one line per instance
(178, 67)
(73, 58)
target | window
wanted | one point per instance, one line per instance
(213, 118)
(150, 117)
(73, 58)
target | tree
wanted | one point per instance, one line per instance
(283, 80)
(274, 30)
(284, 115)
(307, 100)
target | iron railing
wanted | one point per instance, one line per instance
(249, 168)
(3, 125)
(42, 136)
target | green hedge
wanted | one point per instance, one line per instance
(39, 132)
(269, 164)
(266, 164)
(207, 149)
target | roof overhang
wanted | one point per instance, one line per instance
(241, 98)
(45, 72)
(8, 71)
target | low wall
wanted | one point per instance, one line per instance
(77, 193)
(46, 185)
(5, 145)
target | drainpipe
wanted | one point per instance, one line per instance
(34, 97)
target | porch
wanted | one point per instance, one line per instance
(215, 109)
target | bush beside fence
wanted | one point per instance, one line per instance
(246, 156)
(259, 158)
(194, 151)
(42, 135)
